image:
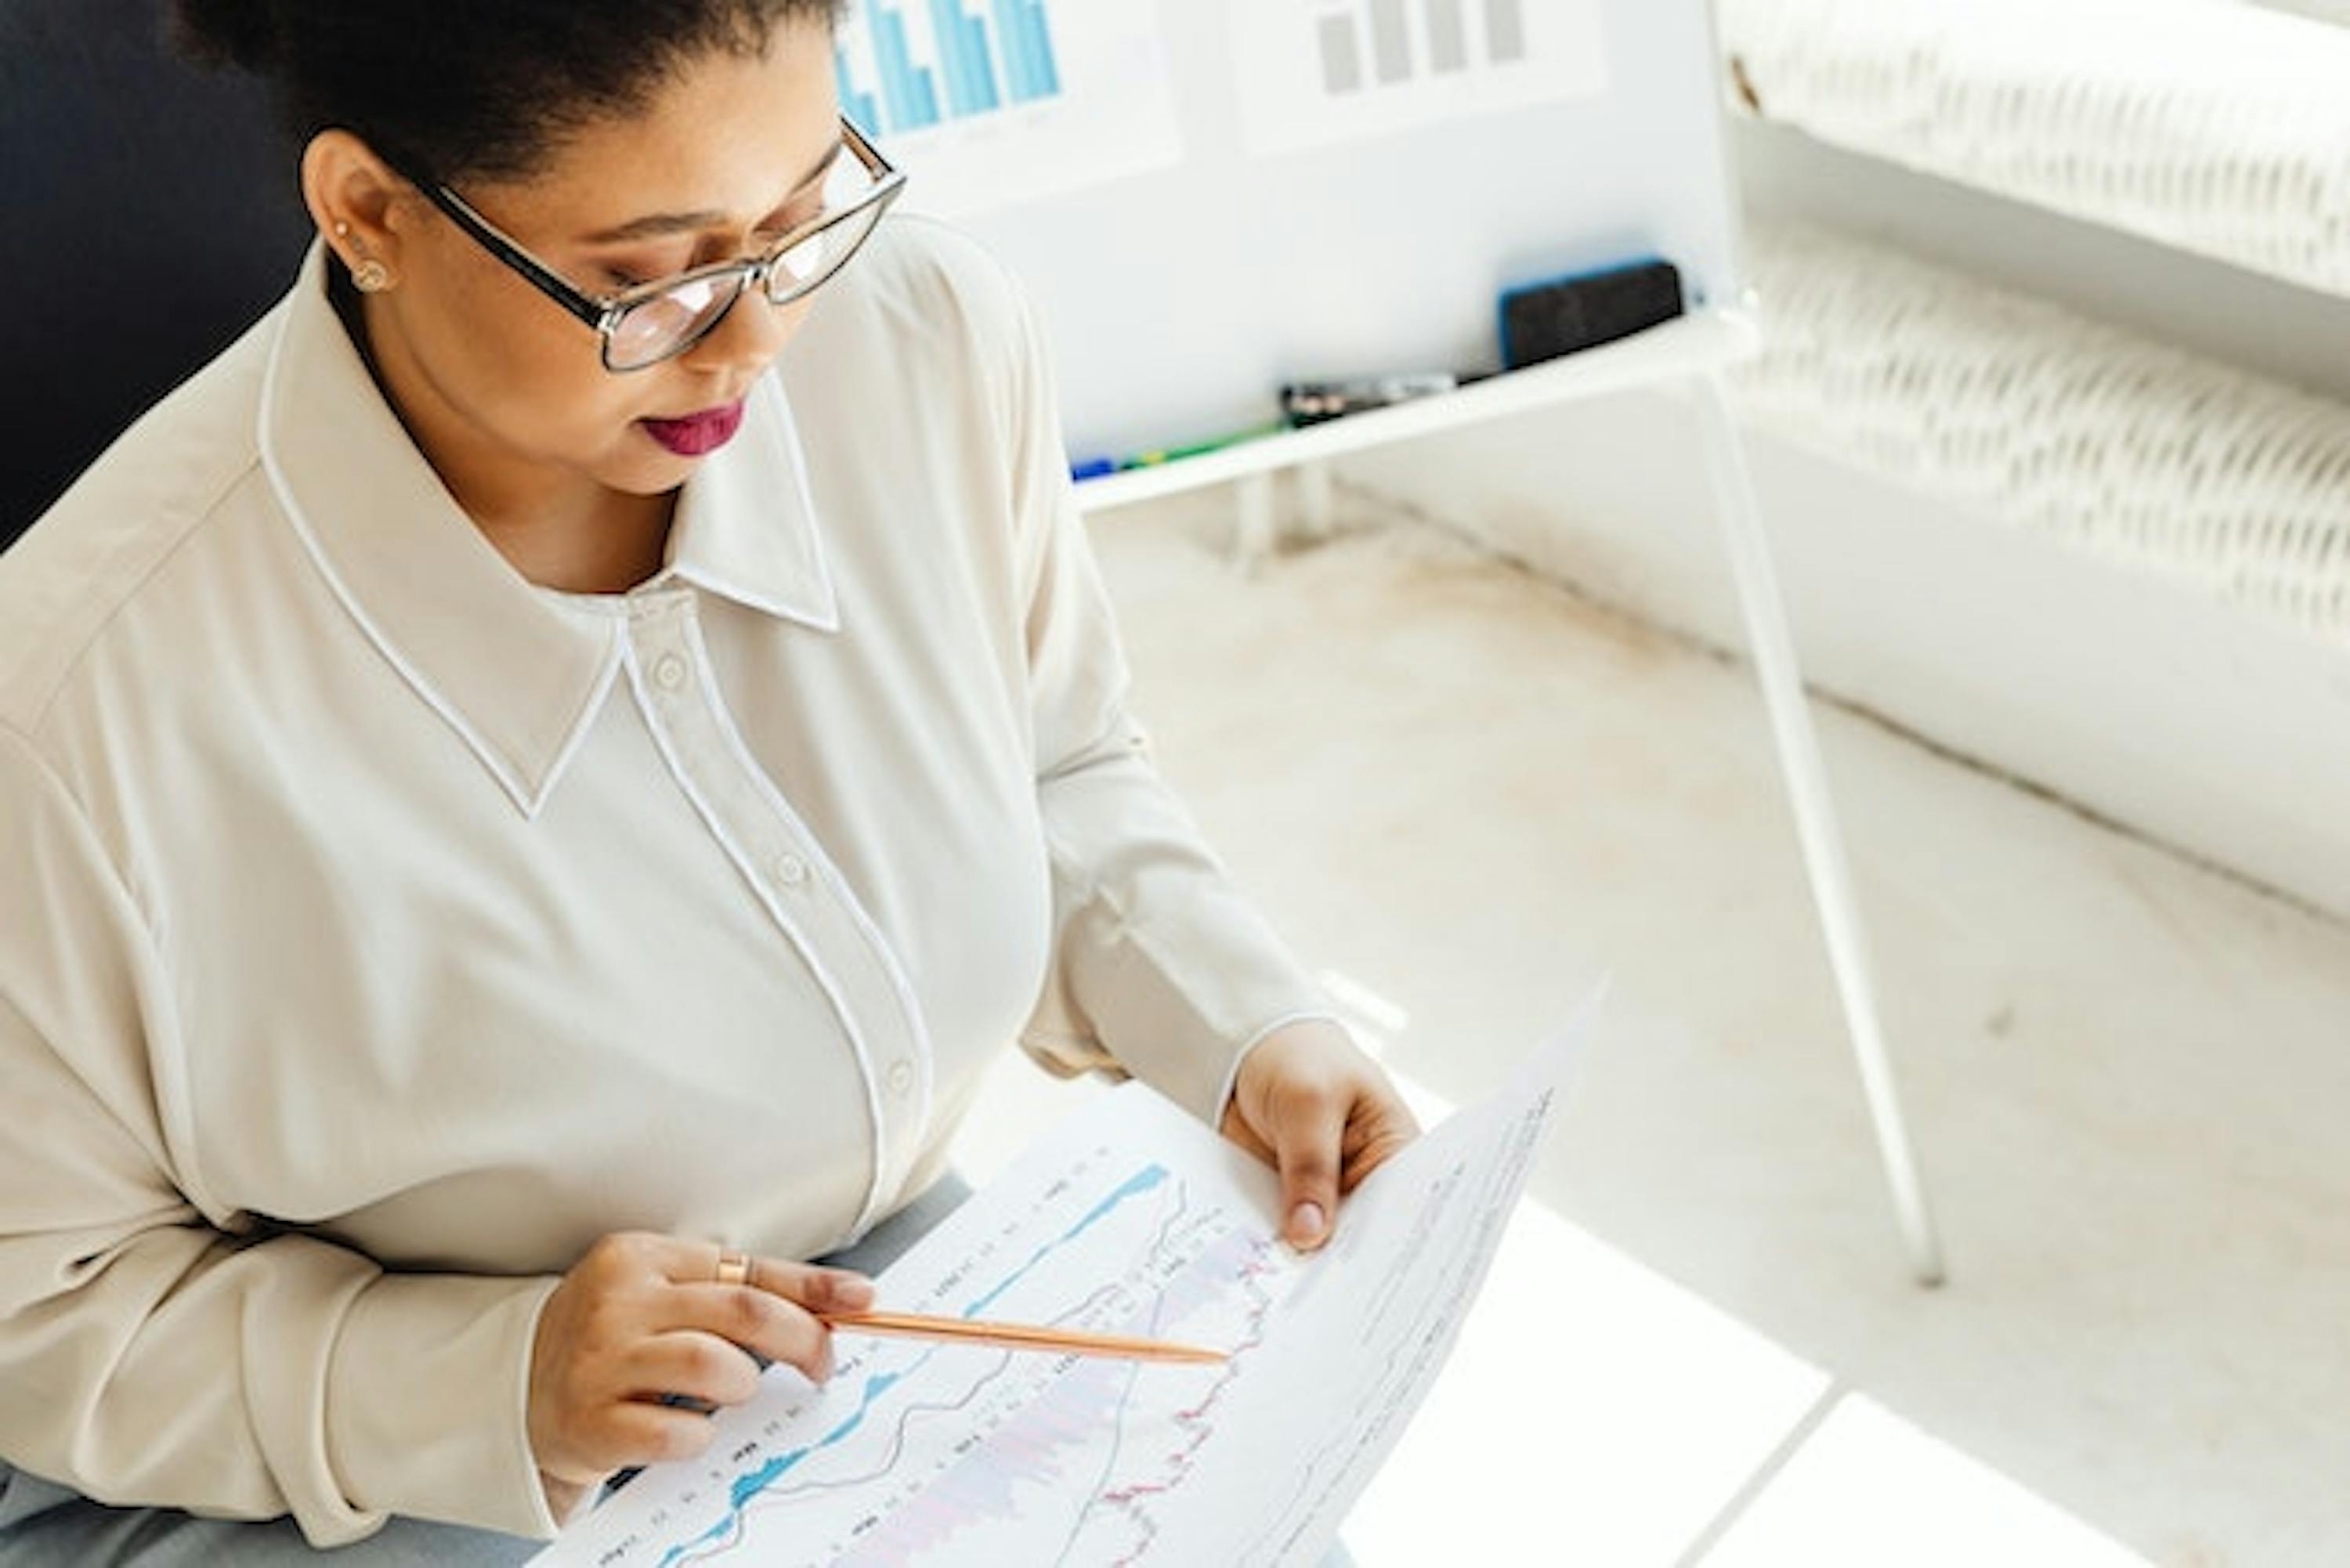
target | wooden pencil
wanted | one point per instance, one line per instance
(1018, 1336)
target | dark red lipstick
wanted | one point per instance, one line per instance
(697, 435)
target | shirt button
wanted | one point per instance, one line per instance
(669, 674)
(901, 1077)
(790, 870)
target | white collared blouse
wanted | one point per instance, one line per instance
(376, 930)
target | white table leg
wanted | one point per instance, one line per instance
(1252, 535)
(1815, 821)
(1317, 501)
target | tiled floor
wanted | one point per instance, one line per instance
(1466, 795)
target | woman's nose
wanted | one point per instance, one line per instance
(753, 333)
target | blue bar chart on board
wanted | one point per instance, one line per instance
(991, 103)
(910, 69)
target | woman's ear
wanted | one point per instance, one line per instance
(355, 198)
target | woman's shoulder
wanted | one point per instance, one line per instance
(73, 570)
(944, 292)
(916, 254)
(931, 308)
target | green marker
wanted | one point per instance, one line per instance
(1157, 458)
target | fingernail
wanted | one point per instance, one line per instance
(1305, 1222)
(852, 1293)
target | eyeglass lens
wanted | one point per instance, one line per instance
(655, 328)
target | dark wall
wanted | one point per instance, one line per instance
(148, 211)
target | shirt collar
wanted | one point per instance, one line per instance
(516, 677)
(746, 527)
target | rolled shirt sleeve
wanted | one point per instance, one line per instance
(156, 1350)
(1160, 966)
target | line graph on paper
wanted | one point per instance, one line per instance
(1135, 1218)
(929, 1453)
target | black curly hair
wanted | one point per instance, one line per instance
(472, 89)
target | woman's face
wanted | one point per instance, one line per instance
(719, 165)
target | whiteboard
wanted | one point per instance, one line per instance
(1178, 299)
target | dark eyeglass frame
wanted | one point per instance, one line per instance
(603, 312)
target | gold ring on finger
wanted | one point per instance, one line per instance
(733, 1267)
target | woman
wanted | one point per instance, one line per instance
(531, 789)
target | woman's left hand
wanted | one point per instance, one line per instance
(1309, 1103)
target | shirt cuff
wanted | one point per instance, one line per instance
(1179, 1008)
(428, 1401)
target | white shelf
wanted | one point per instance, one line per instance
(1692, 345)
(2214, 130)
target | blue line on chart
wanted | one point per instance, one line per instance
(1140, 1182)
(747, 1487)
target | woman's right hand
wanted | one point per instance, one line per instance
(643, 1317)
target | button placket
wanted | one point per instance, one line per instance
(770, 843)
(657, 630)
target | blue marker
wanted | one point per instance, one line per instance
(1093, 468)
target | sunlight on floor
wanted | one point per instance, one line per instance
(1591, 1412)
(1595, 1412)
(1869, 1489)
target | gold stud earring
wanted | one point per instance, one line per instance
(371, 277)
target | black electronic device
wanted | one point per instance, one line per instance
(1564, 315)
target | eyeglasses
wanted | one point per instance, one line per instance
(645, 324)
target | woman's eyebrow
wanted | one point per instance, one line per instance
(655, 225)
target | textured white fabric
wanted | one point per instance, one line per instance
(2336, 11)
(2030, 414)
(2221, 129)
(377, 931)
